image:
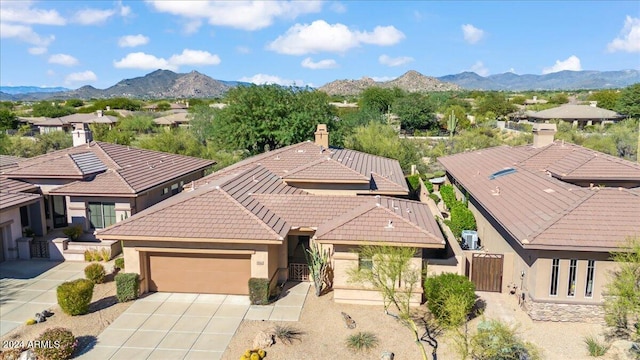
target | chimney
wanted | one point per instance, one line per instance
(108, 107)
(322, 136)
(81, 134)
(99, 112)
(543, 134)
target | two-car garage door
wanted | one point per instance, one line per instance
(199, 273)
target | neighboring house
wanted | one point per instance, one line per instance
(258, 217)
(548, 216)
(66, 123)
(96, 184)
(173, 120)
(578, 115)
(8, 162)
(21, 208)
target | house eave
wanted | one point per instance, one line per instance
(187, 239)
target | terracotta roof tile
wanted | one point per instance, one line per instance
(10, 199)
(16, 185)
(107, 183)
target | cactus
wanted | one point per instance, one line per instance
(452, 122)
(318, 262)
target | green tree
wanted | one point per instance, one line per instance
(49, 109)
(175, 141)
(519, 99)
(139, 124)
(497, 103)
(607, 99)
(379, 99)
(559, 98)
(55, 140)
(163, 106)
(74, 103)
(8, 120)
(258, 118)
(622, 297)
(397, 280)
(382, 140)
(441, 289)
(415, 111)
(629, 101)
(461, 120)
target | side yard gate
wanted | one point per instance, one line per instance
(486, 271)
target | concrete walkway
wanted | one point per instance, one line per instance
(188, 326)
(28, 287)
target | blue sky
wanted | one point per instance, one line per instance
(98, 43)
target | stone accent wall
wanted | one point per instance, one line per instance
(544, 311)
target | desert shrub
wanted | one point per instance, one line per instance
(127, 286)
(88, 256)
(105, 254)
(75, 296)
(73, 232)
(120, 263)
(595, 347)
(448, 195)
(441, 289)
(427, 176)
(435, 198)
(95, 272)
(92, 255)
(414, 181)
(461, 219)
(62, 341)
(362, 341)
(429, 186)
(253, 354)
(496, 340)
(287, 334)
(259, 291)
(438, 173)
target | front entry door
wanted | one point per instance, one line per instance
(59, 212)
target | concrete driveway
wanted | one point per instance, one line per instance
(187, 326)
(28, 287)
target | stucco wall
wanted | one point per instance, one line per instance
(154, 195)
(77, 209)
(10, 222)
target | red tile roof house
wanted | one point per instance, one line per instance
(553, 212)
(96, 184)
(255, 219)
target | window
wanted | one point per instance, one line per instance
(174, 189)
(24, 216)
(365, 263)
(571, 288)
(555, 269)
(102, 215)
(165, 191)
(588, 291)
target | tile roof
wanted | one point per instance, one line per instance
(171, 119)
(10, 199)
(307, 160)
(258, 200)
(576, 112)
(7, 162)
(16, 185)
(533, 205)
(136, 169)
(104, 184)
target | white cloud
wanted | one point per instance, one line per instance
(192, 26)
(50, 72)
(322, 64)
(93, 16)
(133, 40)
(245, 15)
(511, 70)
(382, 78)
(22, 12)
(260, 79)
(629, 39)
(571, 63)
(243, 50)
(338, 7)
(479, 69)
(123, 9)
(194, 57)
(38, 50)
(140, 60)
(24, 33)
(319, 36)
(63, 59)
(398, 61)
(84, 76)
(472, 34)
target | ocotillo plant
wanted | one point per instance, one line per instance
(318, 262)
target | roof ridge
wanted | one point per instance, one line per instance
(560, 216)
(407, 220)
(256, 158)
(98, 145)
(321, 160)
(348, 216)
(117, 173)
(254, 216)
(396, 185)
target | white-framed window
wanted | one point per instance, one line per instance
(591, 274)
(555, 272)
(571, 286)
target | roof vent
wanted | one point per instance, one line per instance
(377, 200)
(389, 225)
(549, 190)
(277, 157)
(408, 211)
(502, 172)
(300, 150)
(496, 192)
(393, 205)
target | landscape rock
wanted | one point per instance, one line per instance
(387, 355)
(27, 355)
(263, 340)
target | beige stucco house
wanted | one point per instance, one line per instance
(96, 184)
(577, 115)
(551, 212)
(257, 218)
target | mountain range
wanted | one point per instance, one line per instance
(167, 84)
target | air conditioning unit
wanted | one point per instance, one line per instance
(469, 239)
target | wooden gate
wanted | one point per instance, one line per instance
(298, 272)
(486, 272)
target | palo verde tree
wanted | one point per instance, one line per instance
(622, 297)
(392, 274)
